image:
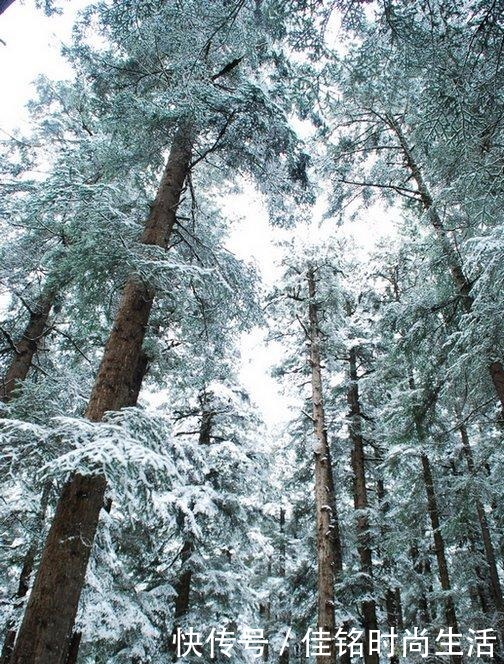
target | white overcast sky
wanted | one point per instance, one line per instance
(31, 46)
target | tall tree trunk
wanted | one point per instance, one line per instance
(461, 282)
(495, 586)
(25, 575)
(479, 590)
(44, 635)
(183, 584)
(392, 595)
(423, 571)
(328, 541)
(361, 504)
(285, 656)
(439, 548)
(26, 347)
(73, 650)
(24, 350)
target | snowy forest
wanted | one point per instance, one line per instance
(149, 511)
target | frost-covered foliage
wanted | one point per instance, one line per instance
(209, 517)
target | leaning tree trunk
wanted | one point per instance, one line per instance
(328, 544)
(26, 347)
(461, 282)
(361, 505)
(44, 635)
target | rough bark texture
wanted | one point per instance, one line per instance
(115, 382)
(27, 346)
(328, 547)
(439, 547)
(45, 633)
(361, 504)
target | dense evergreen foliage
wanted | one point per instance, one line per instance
(142, 496)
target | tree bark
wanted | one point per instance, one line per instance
(73, 650)
(26, 347)
(25, 575)
(439, 548)
(361, 504)
(183, 584)
(423, 571)
(328, 541)
(115, 384)
(392, 595)
(497, 374)
(461, 282)
(44, 635)
(285, 656)
(495, 586)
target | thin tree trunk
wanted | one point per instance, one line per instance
(422, 570)
(45, 633)
(26, 347)
(285, 656)
(392, 595)
(439, 547)
(461, 282)
(361, 504)
(24, 350)
(328, 544)
(25, 575)
(495, 586)
(183, 584)
(479, 590)
(265, 613)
